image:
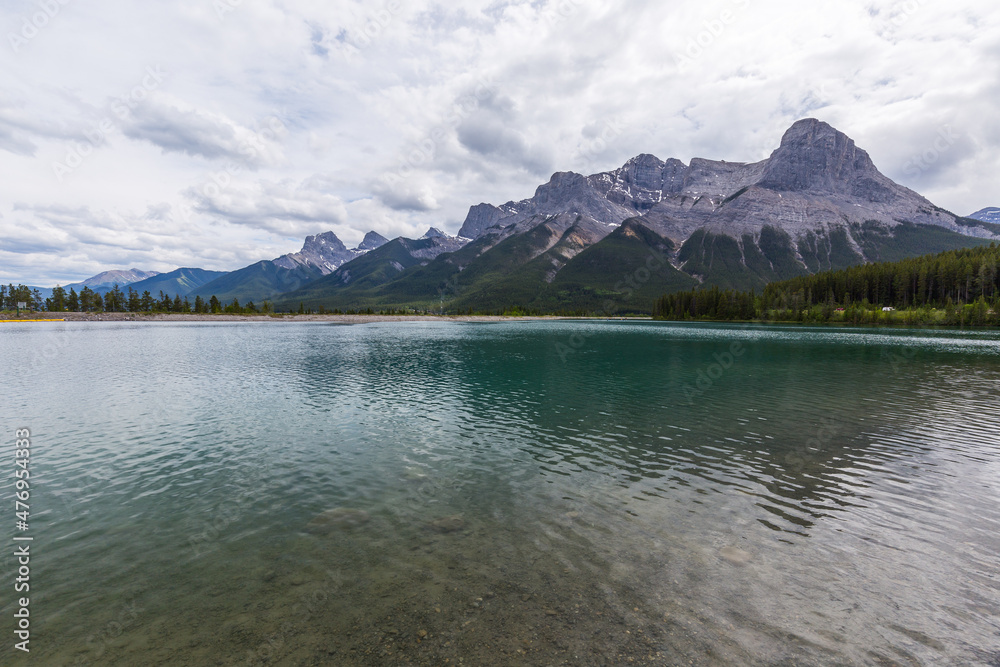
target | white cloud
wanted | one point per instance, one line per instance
(282, 208)
(396, 116)
(176, 127)
(87, 242)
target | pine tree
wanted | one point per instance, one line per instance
(960, 276)
(86, 299)
(134, 302)
(114, 300)
(73, 301)
(57, 302)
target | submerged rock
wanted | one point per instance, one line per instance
(447, 524)
(735, 555)
(414, 474)
(342, 518)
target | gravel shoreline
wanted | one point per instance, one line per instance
(192, 317)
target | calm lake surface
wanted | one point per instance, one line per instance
(537, 493)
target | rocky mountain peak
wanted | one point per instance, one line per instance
(644, 163)
(480, 218)
(323, 251)
(561, 182)
(323, 243)
(569, 192)
(816, 157)
(811, 131)
(815, 180)
(434, 232)
(372, 241)
(651, 174)
(107, 279)
(120, 276)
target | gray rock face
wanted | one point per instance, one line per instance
(641, 183)
(556, 239)
(480, 218)
(814, 157)
(569, 236)
(428, 248)
(816, 180)
(719, 179)
(324, 251)
(371, 241)
(650, 174)
(566, 192)
(434, 232)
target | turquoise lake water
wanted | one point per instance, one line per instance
(515, 493)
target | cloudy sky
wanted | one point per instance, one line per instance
(215, 133)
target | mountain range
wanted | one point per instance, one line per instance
(106, 280)
(615, 241)
(612, 241)
(321, 255)
(180, 281)
(103, 282)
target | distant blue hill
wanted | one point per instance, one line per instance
(105, 281)
(179, 282)
(261, 281)
(990, 214)
(46, 292)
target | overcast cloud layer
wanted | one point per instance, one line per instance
(215, 133)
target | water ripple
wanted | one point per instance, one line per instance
(826, 496)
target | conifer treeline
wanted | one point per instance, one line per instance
(965, 283)
(10, 296)
(117, 301)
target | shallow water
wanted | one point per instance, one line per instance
(584, 493)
